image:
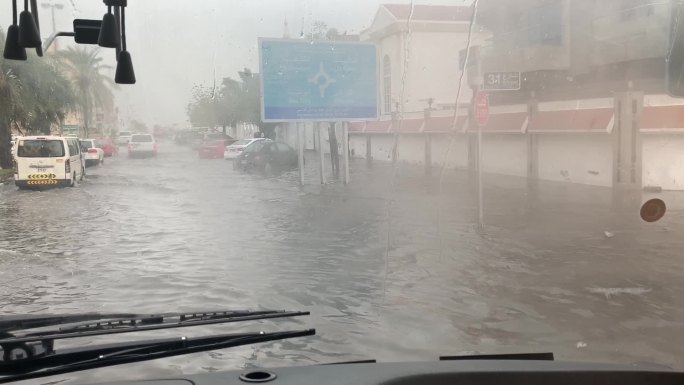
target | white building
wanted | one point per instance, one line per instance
(589, 140)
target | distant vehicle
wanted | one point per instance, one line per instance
(45, 161)
(92, 154)
(214, 149)
(188, 137)
(124, 138)
(233, 150)
(266, 156)
(142, 145)
(107, 145)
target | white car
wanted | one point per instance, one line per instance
(232, 151)
(142, 145)
(92, 154)
(45, 161)
(124, 138)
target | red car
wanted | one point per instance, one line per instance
(108, 146)
(213, 149)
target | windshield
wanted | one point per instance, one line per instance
(87, 143)
(40, 149)
(460, 176)
(255, 146)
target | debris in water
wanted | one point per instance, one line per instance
(609, 234)
(581, 345)
(611, 291)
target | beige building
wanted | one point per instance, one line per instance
(590, 110)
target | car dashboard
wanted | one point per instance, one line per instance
(466, 372)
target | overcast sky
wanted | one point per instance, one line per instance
(175, 44)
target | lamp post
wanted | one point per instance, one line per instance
(52, 5)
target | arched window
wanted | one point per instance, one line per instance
(387, 84)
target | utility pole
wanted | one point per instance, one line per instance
(52, 5)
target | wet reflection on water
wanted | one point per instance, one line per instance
(390, 269)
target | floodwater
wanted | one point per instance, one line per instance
(392, 266)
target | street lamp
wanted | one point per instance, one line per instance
(52, 7)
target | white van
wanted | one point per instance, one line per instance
(124, 138)
(43, 161)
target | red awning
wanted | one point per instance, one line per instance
(587, 120)
(379, 126)
(662, 118)
(408, 126)
(444, 124)
(357, 126)
(504, 122)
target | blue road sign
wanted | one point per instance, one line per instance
(317, 81)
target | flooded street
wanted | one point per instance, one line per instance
(391, 267)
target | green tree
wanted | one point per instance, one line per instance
(202, 109)
(84, 67)
(34, 95)
(236, 101)
(228, 107)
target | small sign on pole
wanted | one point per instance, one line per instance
(501, 81)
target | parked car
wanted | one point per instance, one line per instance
(45, 161)
(107, 145)
(92, 154)
(266, 156)
(214, 149)
(233, 150)
(142, 145)
(124, 138)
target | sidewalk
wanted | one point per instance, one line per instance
(6, 175)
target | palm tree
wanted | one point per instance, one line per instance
(34, 95)
(84, 68)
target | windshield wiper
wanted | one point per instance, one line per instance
(23, 328)
(72, 360)
(27, 342)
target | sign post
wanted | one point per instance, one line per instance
(481, 113)
(319, 81)
(300, 152)
(345, 148)
(321, 153)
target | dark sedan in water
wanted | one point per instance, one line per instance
(266, 156)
